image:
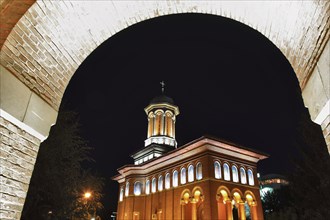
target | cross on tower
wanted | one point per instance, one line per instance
(163, 85)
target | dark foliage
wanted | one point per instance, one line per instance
(310, 180)
(59, 180)
(306, 197)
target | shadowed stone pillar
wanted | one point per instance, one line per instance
(25, 121)
(18, 155)
(316, 94)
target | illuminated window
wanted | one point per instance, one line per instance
(153, 185)
(127, 189)
(183, 176)
(250, 177)
(137, 188)
(175, 179)
(148, 187)
(217, 170)
(167, 181)
(226, 171)
(235, 173)
(160, 183)
(190, 173)
(199, 172)
(121, 194)
(243, 175)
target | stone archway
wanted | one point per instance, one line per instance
(41, 50)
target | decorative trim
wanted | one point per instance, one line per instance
(21, 125)
(323, 113)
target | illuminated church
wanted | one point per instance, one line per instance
(205, 179)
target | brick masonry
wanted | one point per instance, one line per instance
(44, 50)
(18, 155)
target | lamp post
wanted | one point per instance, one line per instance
(87, 196)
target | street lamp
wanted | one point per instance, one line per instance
(87, 195)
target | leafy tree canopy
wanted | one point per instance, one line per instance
(59, 180)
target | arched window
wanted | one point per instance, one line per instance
(175, 179)
(121, 194)
(226, 171)
(127, 189)
(137, 188)
(199, 172)
(235, 173)
(250, 177)
(160, 183)
(148, 187)
(190, 173)
(153, 185)
(183, 176)
(243, 175)
(217, 170)
(167, 181)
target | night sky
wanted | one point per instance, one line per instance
(228, 80)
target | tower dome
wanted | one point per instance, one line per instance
(162, 99)
(161, 113)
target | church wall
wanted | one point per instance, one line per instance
(148, 208)
(129, 201)
(169, 208)
(139, 206)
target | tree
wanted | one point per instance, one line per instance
(59, 180)
(276, 204)
(310, 179)
(306, 196)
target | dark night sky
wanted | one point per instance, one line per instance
(228, 80)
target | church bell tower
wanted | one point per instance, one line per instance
(161, 113)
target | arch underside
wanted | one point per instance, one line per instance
(43, 49)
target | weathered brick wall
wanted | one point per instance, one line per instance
(18, 154)
(11, 11)
(53, 38)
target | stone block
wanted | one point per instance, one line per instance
(13, 101)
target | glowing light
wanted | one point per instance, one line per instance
(249, 197)
(87, 195)
(236, 194)
(186, 197)
(224, 193)
(197, 195)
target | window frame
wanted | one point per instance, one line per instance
(226, 172)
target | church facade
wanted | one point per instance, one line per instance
(207, 178)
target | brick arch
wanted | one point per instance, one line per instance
(53, 38)
(48, 32)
